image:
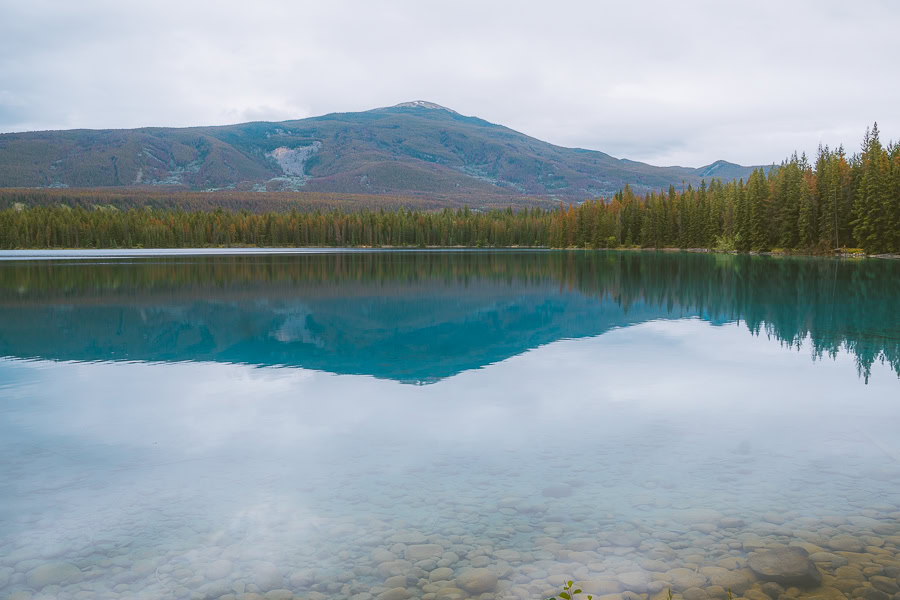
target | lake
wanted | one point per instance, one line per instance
(448, 425)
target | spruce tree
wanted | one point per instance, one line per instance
(758, 205)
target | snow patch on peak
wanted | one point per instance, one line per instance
(423, 104)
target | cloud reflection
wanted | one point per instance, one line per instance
(192, 463)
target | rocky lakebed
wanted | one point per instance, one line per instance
(698, 554)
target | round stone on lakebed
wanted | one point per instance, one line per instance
(417, 552)
(56, 573)
(787, 566)
(477, 581)
(557, 491)
(845, 543)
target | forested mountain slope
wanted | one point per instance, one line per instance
(414, 147)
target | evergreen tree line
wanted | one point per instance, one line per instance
(835, 202)
(838, 202)
(67, 227)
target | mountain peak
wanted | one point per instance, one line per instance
(423, 104)
(724, 170)
(716, 166)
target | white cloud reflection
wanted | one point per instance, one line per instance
(187, 463)
(662, 368)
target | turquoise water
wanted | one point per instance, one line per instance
(446, 425)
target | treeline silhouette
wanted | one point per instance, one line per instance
(830, 305)
(835, 202)
(66, 227)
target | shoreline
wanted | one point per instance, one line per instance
(75, 253)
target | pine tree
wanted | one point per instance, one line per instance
(869, 220)
(758, 205)
(806, 218)
(893, 207)
(742, 219)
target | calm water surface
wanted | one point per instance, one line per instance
(447, 425)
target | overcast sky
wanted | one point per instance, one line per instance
(665, 82)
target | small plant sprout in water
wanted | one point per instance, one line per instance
(730, 595)
(568, 593)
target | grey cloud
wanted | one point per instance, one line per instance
(669, 83)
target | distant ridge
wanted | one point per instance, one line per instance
(417, 147)
(723, 170)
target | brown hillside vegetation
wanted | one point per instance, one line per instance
(255, 202)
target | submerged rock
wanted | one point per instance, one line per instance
(394, 567)
(56, 573)
(885, 584)
(772, 590)
(635, 581)
(219, 569)
(624, 539)
(694, 516)
(419, 552)
(828, 559)
(682, 579)
(731, 523)
(380, 555)
(441, 574)
(450, 593)
(557, 491)
(582, 544)
(267, 576)
(737, 580)
(600, 587)
(477, 581)
(869, 593)
(694, 594)
(787, 566)
(397, 593)
(409, 537)
(846, 543)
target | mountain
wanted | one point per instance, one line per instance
(411, 148)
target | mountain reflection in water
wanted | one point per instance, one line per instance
(423, 316)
